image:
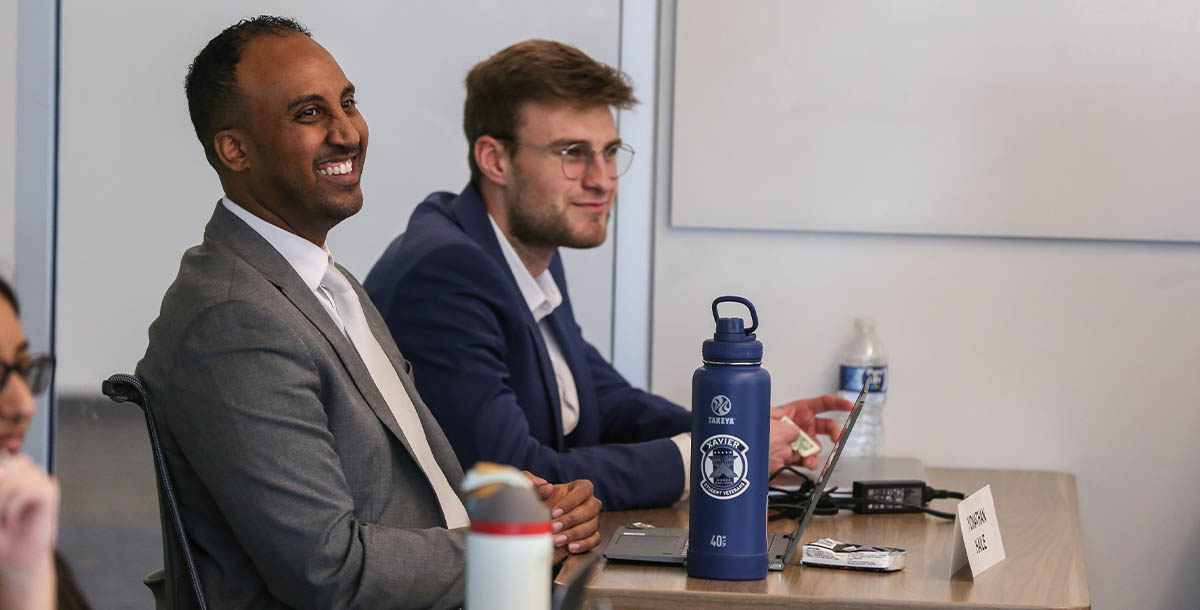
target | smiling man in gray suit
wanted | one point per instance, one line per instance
(310, 473)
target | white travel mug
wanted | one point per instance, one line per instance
(509, 548)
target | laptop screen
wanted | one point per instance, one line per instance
(826, 472)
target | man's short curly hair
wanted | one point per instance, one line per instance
(535, 71)
(213, 96)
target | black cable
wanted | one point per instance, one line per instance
(849, 502)
(791, 504)
(788, 503)
(793, 470)
(937, 494)
(780, 510)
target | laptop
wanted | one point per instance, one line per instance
(649, 544)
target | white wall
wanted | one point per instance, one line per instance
(8, 133)
(1032, 354)
(136, 191)
(1078, 357)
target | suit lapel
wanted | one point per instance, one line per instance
(549, 382)
(561, 324)
(229, 230)
(434, 436)
(472, 216)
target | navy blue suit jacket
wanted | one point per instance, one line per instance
(480, 364)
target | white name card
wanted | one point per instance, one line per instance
(977, 534)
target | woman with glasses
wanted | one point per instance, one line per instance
(29, 499)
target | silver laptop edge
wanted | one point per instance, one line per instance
(826, 473)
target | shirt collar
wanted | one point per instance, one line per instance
(308, 259)
(541, 293)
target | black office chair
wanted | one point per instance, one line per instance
(177, 586)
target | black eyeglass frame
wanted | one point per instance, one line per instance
(37, 371)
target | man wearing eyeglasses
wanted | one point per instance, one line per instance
(474, 291)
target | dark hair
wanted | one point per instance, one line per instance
(6, 292)
(534, 71)
(70, 596)
(211, 83)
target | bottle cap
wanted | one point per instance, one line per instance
(732, 342)
(501, 500)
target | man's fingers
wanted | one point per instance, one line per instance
(574, 510)
(808, 406)
(780, 458)
(586, 544)
(540, 485)
(828, 402)
(827, 426)
(803, 413)
(576, 493)
(582, 513)
(577, 533)
(555, 500)
(537, 481)
(782, 434)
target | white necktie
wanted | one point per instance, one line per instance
(345, 300)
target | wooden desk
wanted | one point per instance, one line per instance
(1039, 520)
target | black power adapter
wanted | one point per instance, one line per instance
(869, 498)
(892, 497)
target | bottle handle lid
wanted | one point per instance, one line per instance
(743, 301)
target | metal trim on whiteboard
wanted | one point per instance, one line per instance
(633, 220)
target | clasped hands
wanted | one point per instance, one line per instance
(804, 414)
(574, 514)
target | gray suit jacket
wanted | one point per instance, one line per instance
(296, 483)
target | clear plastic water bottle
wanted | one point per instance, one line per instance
(865, 361)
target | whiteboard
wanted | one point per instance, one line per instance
(1028, 118)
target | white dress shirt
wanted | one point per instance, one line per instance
(308, 259)
(543, 297)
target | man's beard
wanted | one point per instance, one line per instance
(323, 209)
(540, 225)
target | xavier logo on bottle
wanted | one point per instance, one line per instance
(723, 466)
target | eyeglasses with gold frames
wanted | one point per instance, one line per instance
(577, 158)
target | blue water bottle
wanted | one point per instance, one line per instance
(731, 403)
